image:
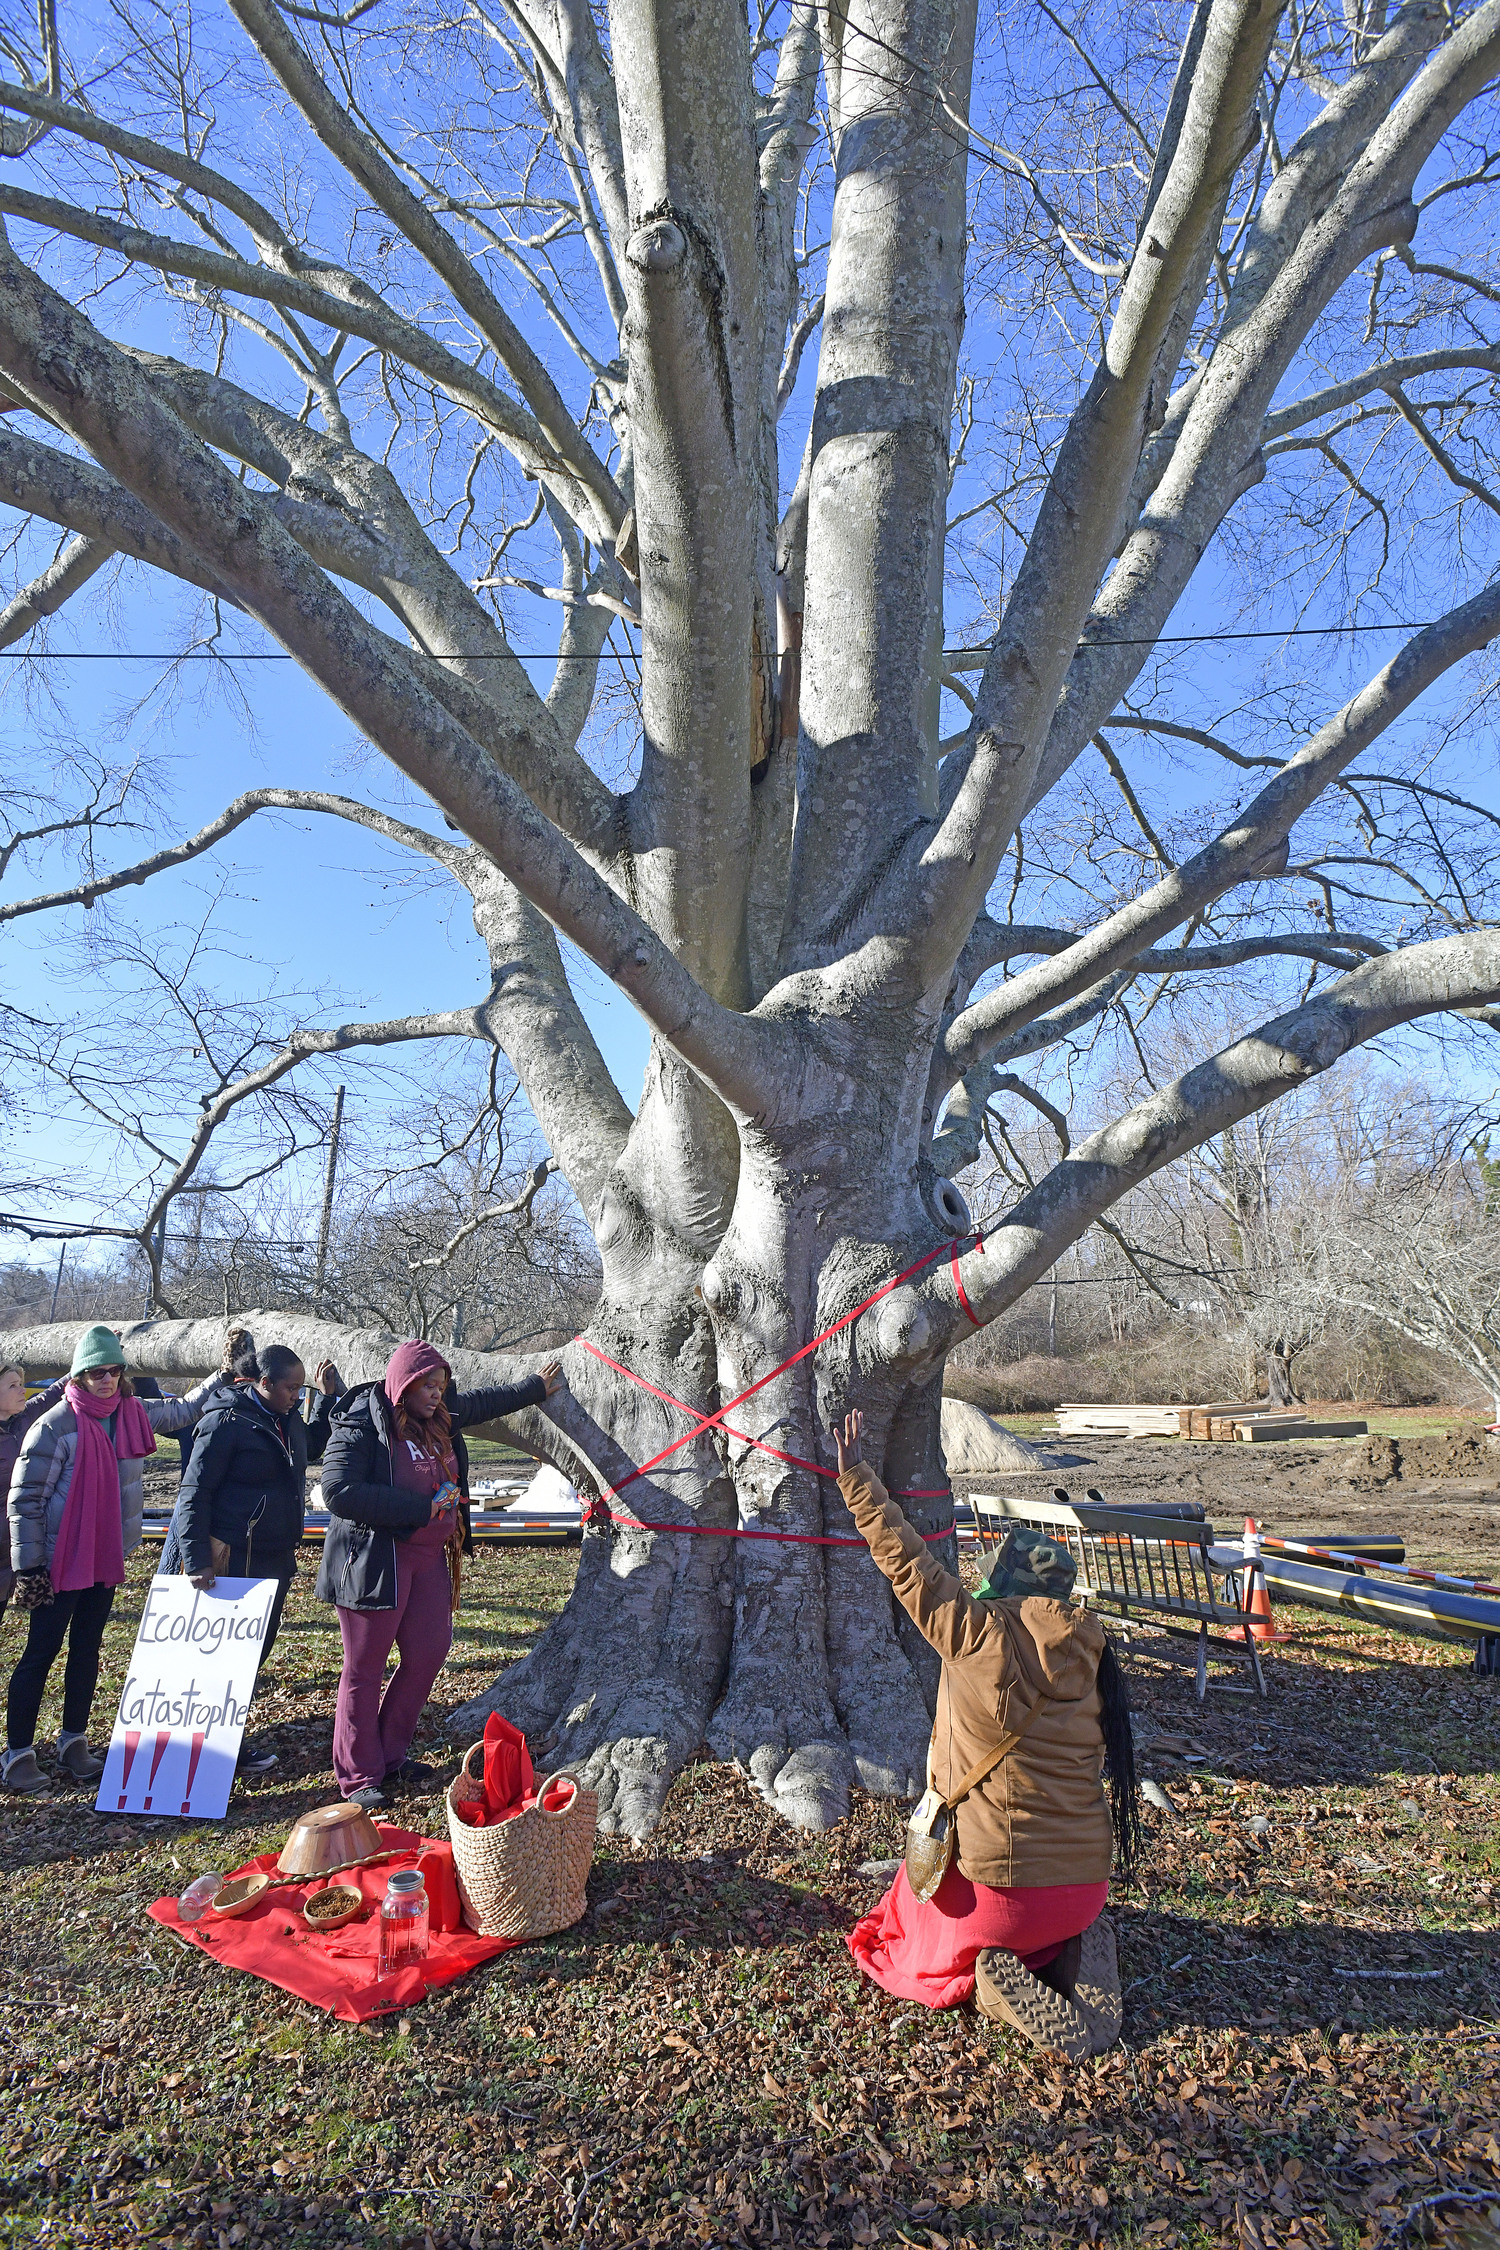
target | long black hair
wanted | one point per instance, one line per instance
(1119, 1763)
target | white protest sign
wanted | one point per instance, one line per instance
(186, 1698)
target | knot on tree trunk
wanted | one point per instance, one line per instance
(657, 247)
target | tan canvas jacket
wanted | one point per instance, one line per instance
(1041, 1815)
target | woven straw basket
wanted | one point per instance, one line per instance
(527, 1876)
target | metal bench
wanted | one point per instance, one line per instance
(1152, 1569)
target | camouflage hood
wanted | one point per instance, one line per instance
(1029, 1563)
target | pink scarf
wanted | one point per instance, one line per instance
(90, 1548)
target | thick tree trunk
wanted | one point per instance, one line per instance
(1279, 1387)
(781, 1654)
(778, 1652)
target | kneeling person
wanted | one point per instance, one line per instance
(1017, 1920)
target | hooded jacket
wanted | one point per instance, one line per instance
(41, 1477)
(368, 1512)
(1040, 1816)
(246, 1482)
(11, 1435)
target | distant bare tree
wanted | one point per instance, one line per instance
(1415, 1245)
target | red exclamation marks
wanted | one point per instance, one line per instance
(194, 1755)
(156, 1757)
(132, 1744)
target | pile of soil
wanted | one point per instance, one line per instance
(1464, 1452)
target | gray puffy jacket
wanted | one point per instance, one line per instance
(41, 1477)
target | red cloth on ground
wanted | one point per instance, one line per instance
(927, 1953)
(334, 1969)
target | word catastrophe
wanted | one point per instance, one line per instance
(186, 1698)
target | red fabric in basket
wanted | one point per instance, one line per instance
(509, 1783)
(507, 1767)
(334, 1969)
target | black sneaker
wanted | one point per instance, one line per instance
(412, 1773)
(256, 1761)
(368, 1799)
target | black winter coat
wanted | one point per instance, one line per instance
(367, 1511)
(246, 1482)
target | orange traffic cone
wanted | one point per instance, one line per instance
(1257, 1594)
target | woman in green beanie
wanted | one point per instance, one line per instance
(75, 1504)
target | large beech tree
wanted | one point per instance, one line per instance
(264, 268)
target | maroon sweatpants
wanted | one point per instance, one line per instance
(372, 1732)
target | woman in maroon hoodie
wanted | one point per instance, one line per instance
(394, 1474)
(17, 1413)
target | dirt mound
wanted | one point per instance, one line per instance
(975, 1445)
(1461, 1452)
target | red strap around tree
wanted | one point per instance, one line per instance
(601, 1511)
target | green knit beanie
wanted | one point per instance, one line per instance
(97, 1347)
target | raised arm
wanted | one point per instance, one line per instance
(496, 1400)
(169, 1416)
(932, 1597)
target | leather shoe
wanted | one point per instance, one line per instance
(412, 1773)
(79, 1763)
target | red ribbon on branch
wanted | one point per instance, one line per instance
(601, 1512)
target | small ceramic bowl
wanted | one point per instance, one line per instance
(331, 1909)
(238, 1896)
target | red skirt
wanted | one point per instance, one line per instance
(927, 1953)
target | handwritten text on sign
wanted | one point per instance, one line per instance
(186, 1698)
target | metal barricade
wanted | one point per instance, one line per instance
(1152, 1569)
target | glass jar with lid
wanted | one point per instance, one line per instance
(403, 1923)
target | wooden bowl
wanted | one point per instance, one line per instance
(238, 1896)
(331, 1909)
(333, 1836)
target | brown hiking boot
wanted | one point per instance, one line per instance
(1073, 2005)
(1096, 1984)
(1061, 1972)
(1007, 1992)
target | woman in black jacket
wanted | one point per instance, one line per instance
(394, 1475)
(240, 1509)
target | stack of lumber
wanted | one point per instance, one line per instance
(1117, 1421)
(1247, 1421)
(1252, 1422)
(1197, 1421)
(1258, 1428)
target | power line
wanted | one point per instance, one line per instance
(633, 656)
